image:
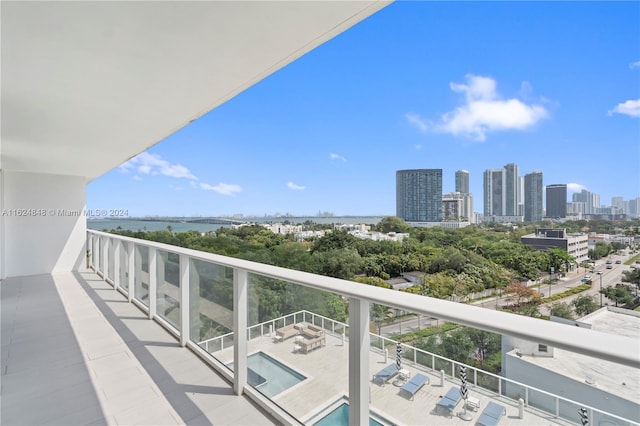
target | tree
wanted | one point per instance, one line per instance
(632, 276)
(561, 310)
(333, 241)
(584, 305)
(560, 260)
(454, 345)
(379, 313)
(487, 343)
(619, 294)
(520, 293)
(393, 224)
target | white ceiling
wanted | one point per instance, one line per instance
(87, 85)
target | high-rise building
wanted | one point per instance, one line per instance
(556, 196)
(419, 195)
(533, 197)
(511, 189)
(494, 192)
(520, 195)
(462, 181)
(457, 206)
(591, 201)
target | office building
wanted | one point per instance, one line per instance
(556, 201)
(576, 244)
(591, 201)
(419, 195)
(511, 189)
(494, 192)
(462, 181)
(533, 197)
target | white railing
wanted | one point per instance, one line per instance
(108, 250)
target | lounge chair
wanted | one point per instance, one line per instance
(386, 374)
(449, 400)
(491, 414)
(414, 385)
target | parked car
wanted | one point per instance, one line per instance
(618, 262)
(609, 262)
(609, 266)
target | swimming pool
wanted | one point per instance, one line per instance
(340, 417)
(269, 375)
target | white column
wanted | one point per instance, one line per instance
(49, 235)
(239, 330)
(131, 253)
(358, 362)
(184, 300)
(116, 264)
(153, 281)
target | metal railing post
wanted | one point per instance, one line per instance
(153, 281)
(185, 304)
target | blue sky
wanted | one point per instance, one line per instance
(551, 86)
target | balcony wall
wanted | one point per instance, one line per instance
(43, 223)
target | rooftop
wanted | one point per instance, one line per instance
(611, 377)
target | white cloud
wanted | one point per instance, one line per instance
(418, 146)
(295, 187)
(222, 188)
(415, 120)
(483, 111)
(337, 157)
(634, 65)
(575, 187)
(630, 108)
(153, 164)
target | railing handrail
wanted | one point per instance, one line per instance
(610, 347)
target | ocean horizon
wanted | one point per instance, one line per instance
(182, 224)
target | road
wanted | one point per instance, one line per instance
(609, 277)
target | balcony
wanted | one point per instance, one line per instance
(152, 338)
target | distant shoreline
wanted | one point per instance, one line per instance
(184, 224)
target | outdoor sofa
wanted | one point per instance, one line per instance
(313, 337)
(286, 332)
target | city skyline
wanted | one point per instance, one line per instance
(329, 131)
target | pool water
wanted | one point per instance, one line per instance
(340, 417)
(270, 376)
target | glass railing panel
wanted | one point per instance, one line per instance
(100, 254)
(95, 253)
(111, 249)
(141, 279)
(303, 352)
(123, 272)
(168, 287)
(211, 308)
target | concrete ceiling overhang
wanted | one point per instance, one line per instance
(87, 85)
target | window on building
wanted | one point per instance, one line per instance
(542, 348)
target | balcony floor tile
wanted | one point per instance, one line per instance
(74, 351)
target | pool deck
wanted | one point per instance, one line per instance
(327, 381)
